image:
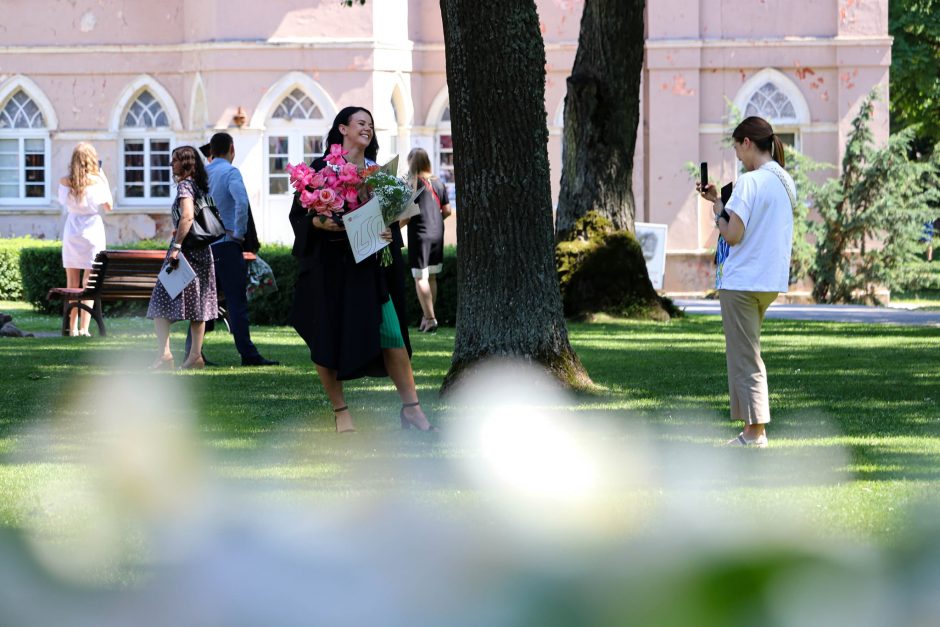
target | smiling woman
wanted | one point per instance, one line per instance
(351, 315)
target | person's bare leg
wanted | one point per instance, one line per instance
(334, 391)
(432, 283)
(423, 289)
(399, 369)
(73, 279)
(752, 432)
(164, 356)
(197, 330)
(83, 316)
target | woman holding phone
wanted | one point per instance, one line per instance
(757, 225)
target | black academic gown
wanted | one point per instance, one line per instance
(337, 302)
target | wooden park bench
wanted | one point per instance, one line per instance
(117, 275)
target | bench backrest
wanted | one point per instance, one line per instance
(128, 274)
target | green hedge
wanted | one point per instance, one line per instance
(275, 307)
(11, 278)
(40, 266)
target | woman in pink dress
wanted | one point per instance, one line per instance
(84, 192)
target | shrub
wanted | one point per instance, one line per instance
(275, 307)
(11, 278)
(41, 270)
(603, 270)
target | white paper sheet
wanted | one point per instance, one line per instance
(176, 279)
(364, 227)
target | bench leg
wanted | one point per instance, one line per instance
(66, 308)
(98, 317)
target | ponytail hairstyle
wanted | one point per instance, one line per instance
(82, 167)
(759, 131)
(419, 165)
(335, 137)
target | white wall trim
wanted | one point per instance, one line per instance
(295, 43)
(783, 42)
(816, 127)
(132, 90)
(284, 85)
(17, 82)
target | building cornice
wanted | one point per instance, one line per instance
(310, 43)
(781, 42)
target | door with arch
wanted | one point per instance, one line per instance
(295, 132)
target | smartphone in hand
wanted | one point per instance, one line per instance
(704, 175)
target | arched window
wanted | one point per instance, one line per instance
(24, 148)
(771, 95)
(296, 132)
(146, 145)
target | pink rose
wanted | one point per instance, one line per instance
(336, 155)
(307, 199)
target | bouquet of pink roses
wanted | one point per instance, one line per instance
(332, 191)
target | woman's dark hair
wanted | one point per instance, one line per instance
(191, 167)
(759, 131)
(335, 137)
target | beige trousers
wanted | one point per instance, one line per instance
(741, 316)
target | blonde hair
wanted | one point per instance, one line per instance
(418, 163)
(83, 166)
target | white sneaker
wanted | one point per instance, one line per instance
(760, 442)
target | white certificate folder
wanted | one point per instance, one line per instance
(176, 279)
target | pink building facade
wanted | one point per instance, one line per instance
(137, 79)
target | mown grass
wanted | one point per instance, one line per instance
(855, 437)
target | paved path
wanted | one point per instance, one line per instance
(828, 313)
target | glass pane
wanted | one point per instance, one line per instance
(277, 185)
(160, 145)
(160, 176)
(160, 191)
(446, 142)
(9, 191)
(132, 160)
(8, 161)
(133, 145)
(277, 145)
(134, 191)
(313, 145)
(35, 176)
(9, 146)
(35, 145)
(277, 165)
(135, 175)
(35, 161)
(35, 191)
(9, 176)
(787, 138)
(159, 159)
(447, 159)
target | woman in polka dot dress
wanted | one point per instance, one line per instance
(198, 301)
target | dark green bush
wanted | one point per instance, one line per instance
(41, 270)
(275, 307)
(11, 279)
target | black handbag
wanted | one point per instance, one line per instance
(207, 224)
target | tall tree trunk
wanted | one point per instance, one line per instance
(602, 112)
(509, 301)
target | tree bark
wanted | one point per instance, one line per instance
(602, 112)
(509, 302)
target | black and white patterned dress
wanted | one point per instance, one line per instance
(198, 301)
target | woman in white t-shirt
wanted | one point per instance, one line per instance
(754, 267)
(83, 193)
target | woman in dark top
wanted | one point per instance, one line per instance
(426, 234)
(198, 301)
(352, 315)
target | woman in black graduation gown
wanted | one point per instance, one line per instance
(352, 316)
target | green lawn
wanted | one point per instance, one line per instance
(855, 441)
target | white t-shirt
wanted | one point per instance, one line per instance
(760, 262)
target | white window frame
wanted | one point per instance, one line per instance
(21, 135)
(296, 128)
(147, 136)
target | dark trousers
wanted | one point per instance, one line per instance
(231, 278)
